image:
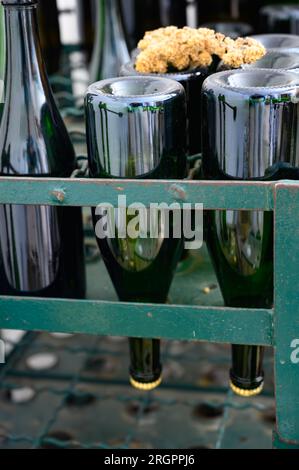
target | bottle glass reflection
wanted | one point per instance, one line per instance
(136, 129)
(192, 81)
(250, 121)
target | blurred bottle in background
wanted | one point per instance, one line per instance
(231, 11)
(2, 58)
(279, 18)
(141, 16)
(110, 48)
(49, 34)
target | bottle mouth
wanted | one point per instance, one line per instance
(277, 60)
(146, 387)
(136, 88)
(254, 80)
(278, 41)
(241, 392)
(182, 75)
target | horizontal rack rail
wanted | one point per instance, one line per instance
(176, 322)
(91, 192)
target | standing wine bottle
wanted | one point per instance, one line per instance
(2, 43)
(2, 58)
(41, 248)
(136, 129)
(147, 15)
(49, 34)
(173, 13)
(250, 120)
(110, 50)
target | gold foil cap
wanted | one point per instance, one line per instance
(145, 387)
(246, 393)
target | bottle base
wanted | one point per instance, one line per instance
(241, 392)
(145, 386)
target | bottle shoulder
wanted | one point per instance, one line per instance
(34, 139)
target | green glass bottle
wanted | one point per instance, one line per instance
(152, 14)
(110, 50)
(41, 248)
(249, 133)
(49, 34)
(136, 129)
(2, 58)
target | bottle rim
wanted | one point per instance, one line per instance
(251, 81)
(136, 88)
(128, 69)
(271, 41)
(291, 58)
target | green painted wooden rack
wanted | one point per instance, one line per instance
(278, 328)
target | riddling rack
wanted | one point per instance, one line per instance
(278, 328)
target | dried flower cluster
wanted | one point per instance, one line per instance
(189, 48)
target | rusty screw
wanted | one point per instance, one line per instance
(178, 192)
(59, 195)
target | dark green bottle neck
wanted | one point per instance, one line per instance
(110, 51)
(2, 45)
(110, 25)
(25, 67)
(107, 20)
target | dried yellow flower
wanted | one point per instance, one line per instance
(187, 48)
